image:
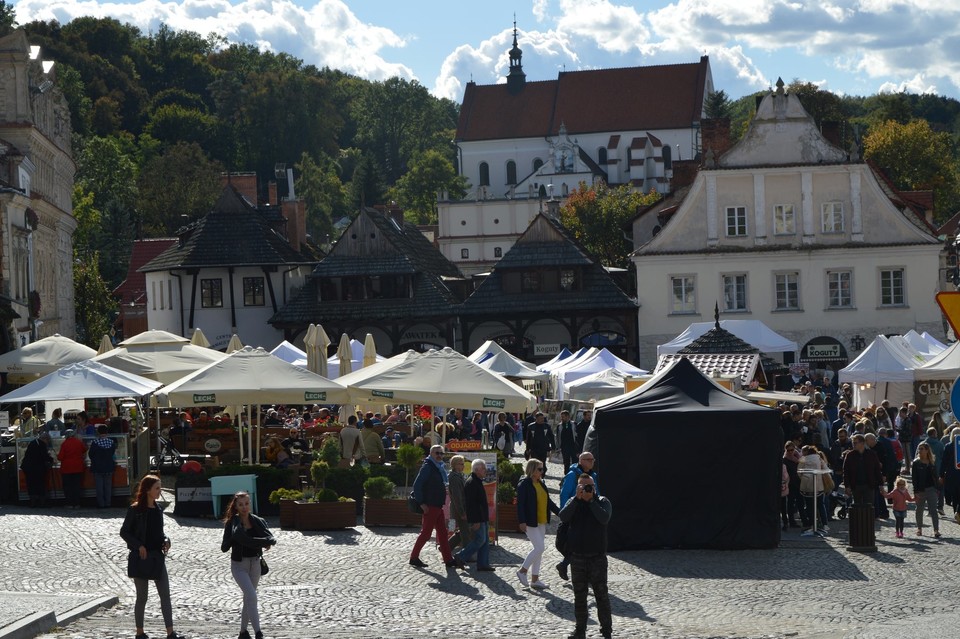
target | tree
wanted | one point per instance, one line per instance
(916, 158)
(326, 197)
(176, 187)
(366, 187)
(94, 303)
(717, 105)
(597, 215)
(8, 18)
(429, 173)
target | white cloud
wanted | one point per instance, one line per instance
(917, 84)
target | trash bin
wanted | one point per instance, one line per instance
(862, 535)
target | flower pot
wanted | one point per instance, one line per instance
(312, 515)
(389, 512)
(507, 518)
(287, 507)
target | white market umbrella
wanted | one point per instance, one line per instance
(345, 355)
(45, 356)
(310, 344)
(234, 345)
(199, 339)
(105, 345)
(158, 355)
(441, 378)
(323, 343)
(88, 379)
(369, 351)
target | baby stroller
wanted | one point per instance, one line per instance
(839, 498)
(169, 458)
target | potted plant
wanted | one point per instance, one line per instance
(382, 507)
(410, 457)
(327, 510)
(507, 521)
(285, 498)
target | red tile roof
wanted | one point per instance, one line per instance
(134, 287)
(628, 99)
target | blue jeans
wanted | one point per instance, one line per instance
(480, 544)
(104, 485)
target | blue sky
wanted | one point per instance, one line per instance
(855, 47)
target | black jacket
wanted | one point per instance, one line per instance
(540, 439)
(36, 458)
(924, 476)
(581, 433)
(568, 438)
(587, 522)
(475, 500)
(242, 543)
(527, 502)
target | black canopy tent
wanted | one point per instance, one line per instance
(688, 464)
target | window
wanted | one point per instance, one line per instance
(602, 155)
(684, 299)
(831, 217)
(839, 291)
(530, 281)
(511, 172)
(567, 279)
(735, 292)
(783, 220)
(537, 163)
(497, 251)
(484, 174)
(170, 293)
(666, 151)
(788, 291)
(161, 296)
(211, 293)
(253, 291)
(464, 254)
(736, 221)
(891, 287)
(153, 294)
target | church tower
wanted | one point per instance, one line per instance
(516, 78)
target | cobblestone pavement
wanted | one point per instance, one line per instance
(357, 583)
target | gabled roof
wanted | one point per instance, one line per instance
(375, 244)
(746, 366)
(132, 289)
(233, 233)
(587, 102)
(547, 244)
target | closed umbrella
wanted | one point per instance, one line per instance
(234, 345)
(199, 339)
(369, 351)
(345, 355)
(105, 345)
(323, 342)
(309, 345)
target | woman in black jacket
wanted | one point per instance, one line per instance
(246, 536)
(534, 506)
(925, 480)
(142, 530)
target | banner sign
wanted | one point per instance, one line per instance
(494, 403)
(209, 398)
(386, 394)
(310, 396)
(461, 445)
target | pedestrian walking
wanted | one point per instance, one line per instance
(587, 515)
(430, 492)
(899, 497)
(568, 440)
(456, 486)
(533, 512)
(246, 536)
(539, 440)
(142, 530)
(862, 473)
(925, 482)
(478, 516)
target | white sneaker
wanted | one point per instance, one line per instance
(539, 585)
(522, 576)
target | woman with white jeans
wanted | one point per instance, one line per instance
(534, 506)
(246, 536)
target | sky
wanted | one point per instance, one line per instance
(850, 47)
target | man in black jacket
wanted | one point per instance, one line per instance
(568, 441)
(862, 473)
(587, 515)
(540, 440)
(478, 514)
(581, 429)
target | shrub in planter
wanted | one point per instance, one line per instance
(394, 472)
(509, 473)
(319, 470)
(379, 488)
(506, 508)
(282, 494)
(506, 494)
(330, 450)
(284, 498)
(382, 508)
(326, 495)
(348, 482)
(410, 457)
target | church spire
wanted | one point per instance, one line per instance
(516, 78)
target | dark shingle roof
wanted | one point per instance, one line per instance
(232, 234)
(546, 243)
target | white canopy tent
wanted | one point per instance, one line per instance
(944, 366)
(933, 340)
(607, 383)
(442, 378)
(159, 355)
(922, 346)
(753, 332)
(559, 357)
(558, 361)
(882, 371)
(288, 352)
(88, 379)
(252, 376)
(45, 356)
(494, 358)
(599, 361)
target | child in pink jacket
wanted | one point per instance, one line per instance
(899, 496)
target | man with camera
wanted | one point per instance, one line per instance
(587, 516)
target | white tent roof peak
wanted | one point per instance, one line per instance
(881, 361)
(154, 337)
(82, 380)
(495, 358)
(753, 332)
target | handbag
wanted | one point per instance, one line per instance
(264, 568)
(149, 568)
(563, 536)
(502, 441)
(413, 505)
(827, 483)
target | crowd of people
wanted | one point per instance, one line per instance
(834, 452)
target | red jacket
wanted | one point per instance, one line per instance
(71, 455)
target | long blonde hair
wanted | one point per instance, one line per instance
(921, 447)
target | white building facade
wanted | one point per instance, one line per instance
(793, 231)
(522, 143)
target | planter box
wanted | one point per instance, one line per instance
(507, 519)
(389, 512)
(286, 513)
(331, 515)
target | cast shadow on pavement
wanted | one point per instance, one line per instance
(760, 565)
(563, 607)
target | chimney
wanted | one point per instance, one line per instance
(272, 198)
(830, 130)
(684, 173)
(715, 135)
(244, 183)
(296, 213)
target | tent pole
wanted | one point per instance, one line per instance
(240, 441)
(259, 431)
(249, 434)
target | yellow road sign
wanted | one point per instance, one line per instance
(949, 302)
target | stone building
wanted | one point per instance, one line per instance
(36, 186)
